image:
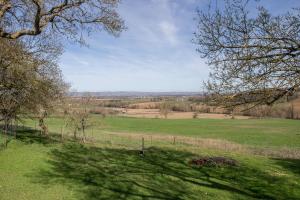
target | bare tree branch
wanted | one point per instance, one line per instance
(255, 60)
(32, 17)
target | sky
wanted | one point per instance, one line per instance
(154, 54)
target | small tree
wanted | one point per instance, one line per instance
(78, 118)
(165, 108)
(195, 115)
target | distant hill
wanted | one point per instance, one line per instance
(133, 94)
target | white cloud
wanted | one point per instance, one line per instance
(170, 32)
(154, 54)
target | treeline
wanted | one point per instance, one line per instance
(286, 108)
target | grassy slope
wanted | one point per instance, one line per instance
(34, 168)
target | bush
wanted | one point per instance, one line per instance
(195, 115)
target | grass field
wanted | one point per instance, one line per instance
(257, 132)
(264, 132)
(34, 167)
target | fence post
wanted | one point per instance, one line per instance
(92, 134)
(143, 147)
(111, 139)
(11, 128)
(174, 140)
(6, 136)
(61, 133)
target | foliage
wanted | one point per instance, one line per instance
(27, 83)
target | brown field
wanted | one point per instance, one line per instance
(296, 104)
(186, 109)
(144, 105)
(154, 113)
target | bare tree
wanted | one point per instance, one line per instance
(68, 18)
(255, 60)
(78, 118)
(165, 108)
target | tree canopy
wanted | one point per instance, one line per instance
(27, 84)
(67, 18)
(255, 57)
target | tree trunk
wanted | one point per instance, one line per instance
(83, 133)
(75, 134)
(232, 114)
(15, 129)
(5, 136)
(292, 111)
(6, 123)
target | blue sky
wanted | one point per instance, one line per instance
(155, 53)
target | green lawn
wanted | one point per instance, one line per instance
(38, 168)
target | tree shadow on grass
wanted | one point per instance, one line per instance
(30, 136)
(292, 165)
(103, 173)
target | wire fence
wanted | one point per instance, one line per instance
(138, 141)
